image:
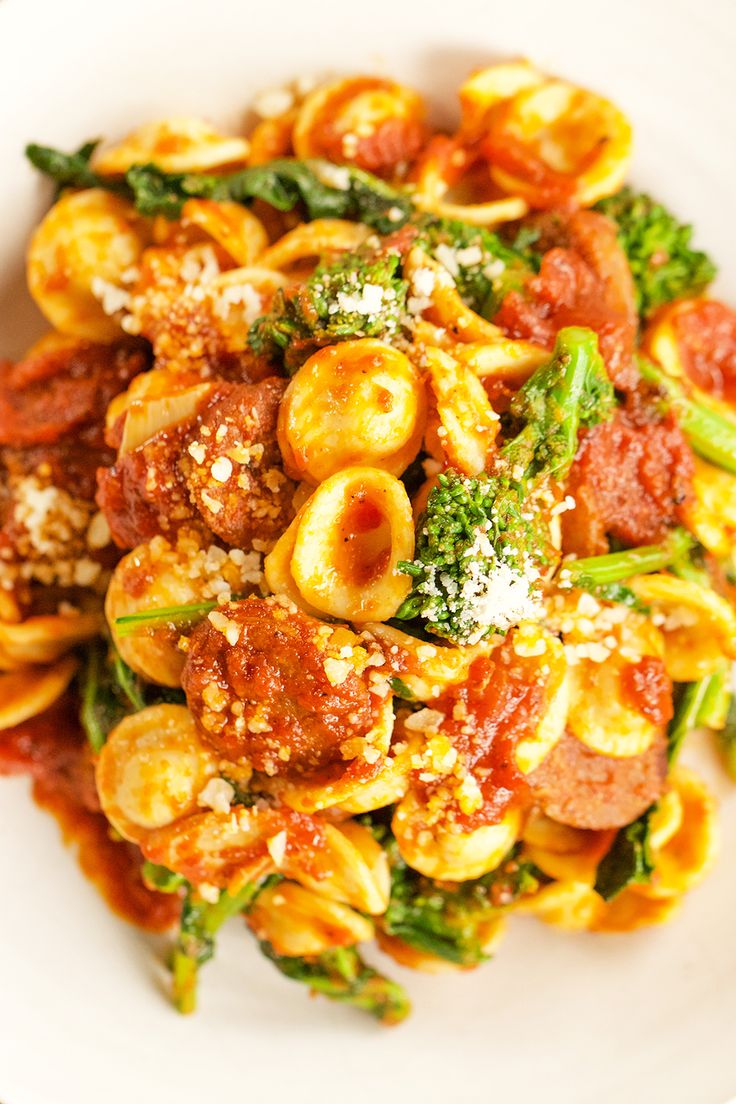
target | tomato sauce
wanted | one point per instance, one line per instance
(630, 481)
(584, 280)
(648, 688)
(51, 749)
(706, 341)
(500, 704)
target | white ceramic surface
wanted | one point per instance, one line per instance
(559, 1019)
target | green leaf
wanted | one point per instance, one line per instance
(281, 183)
(401, 690)
(161, 878)
(629, 861)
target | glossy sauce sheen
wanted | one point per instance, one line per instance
(51, 749)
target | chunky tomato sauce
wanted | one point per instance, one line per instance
(51, 749)
(630, 481)
(499, 704)
(584, 280)
(706, 341)
(648, 688)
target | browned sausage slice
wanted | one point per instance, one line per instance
(584, 789)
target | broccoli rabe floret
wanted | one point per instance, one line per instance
(451, 921)
(663, 263)
(483, 268)
(481, 542)
(359, 295)
(342, 975)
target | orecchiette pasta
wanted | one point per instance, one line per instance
(152, 770)
(27, 691)
(360, 401)
(179, 144)
(441, 851)
(298, 922)
(698, 626)
(356, 528)
(88, 242)
(45, 638)
(468, 421)
(313, 239)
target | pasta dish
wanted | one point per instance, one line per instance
(368, 519)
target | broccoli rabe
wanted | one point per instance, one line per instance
(109, 690)
(342, 975)
(483, 268)
(446, 921)
(200, 921)
(358, 295)
(481, 542)
(663, 263)
(282, 184)
(711, 434)
(629, 861)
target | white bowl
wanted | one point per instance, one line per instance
(562, 1019)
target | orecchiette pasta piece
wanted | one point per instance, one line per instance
(490, 86)
(227, 849)
(433, 287)
(356, 402)
(356, 869)
(564, 853)
(148, 416)
(712, 514)
(235, 228)
(375, 123)
(511, 361)
(314, 239)
(88, 242)
(28, 691)
(699, 627)
(686, 847)
(568, 905)
(301, 923)
(159, 575)
(277, 567)
(440, 851)
(157, 383)
(355, 529)
(426, 669)
(442, 165)
(180, 144)
(45, 638)
(553, 141)
(469, 423)
(620, 694)
(601, 717)
(693, 340)
(152, 770)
